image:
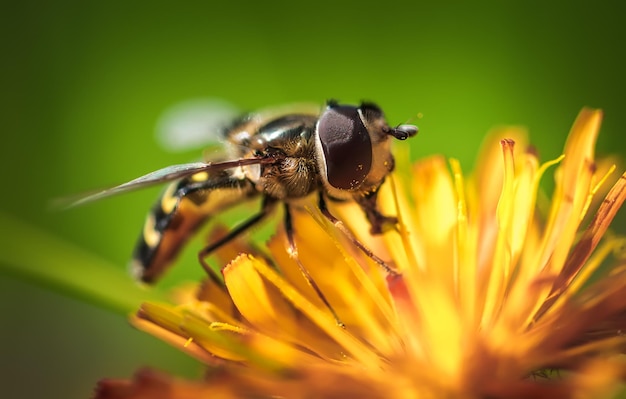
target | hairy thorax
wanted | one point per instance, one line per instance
(292, 177)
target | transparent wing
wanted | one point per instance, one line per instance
(166, 174)
(200, 122)
(194, 123)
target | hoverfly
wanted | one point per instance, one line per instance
(341, 153)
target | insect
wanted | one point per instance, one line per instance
(341, 152)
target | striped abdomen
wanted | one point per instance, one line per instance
(183, 207)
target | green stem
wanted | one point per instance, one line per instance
(35, 255)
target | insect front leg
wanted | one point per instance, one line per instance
(293, 252)
(378, 221)
(346, 232)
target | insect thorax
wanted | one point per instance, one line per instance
(295, 172)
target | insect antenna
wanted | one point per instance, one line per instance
(403, 131)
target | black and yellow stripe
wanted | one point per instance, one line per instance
(180, 210)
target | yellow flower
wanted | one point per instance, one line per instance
(495, 292)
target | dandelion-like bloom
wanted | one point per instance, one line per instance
(493, 294)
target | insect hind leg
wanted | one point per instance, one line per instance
(266, 208)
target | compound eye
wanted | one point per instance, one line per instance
(346, 145)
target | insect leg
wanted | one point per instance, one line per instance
(346, 232)
(377, 220)
(267, 206)
(180, 210)
(293, 251)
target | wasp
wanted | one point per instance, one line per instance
(339, 153)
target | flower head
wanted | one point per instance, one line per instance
(495, 291)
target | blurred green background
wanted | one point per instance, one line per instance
(84, 83)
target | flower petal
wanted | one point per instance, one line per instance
(359, 297)
(275, 308)
(573, 183)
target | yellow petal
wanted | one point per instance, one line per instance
(358, 297)
(572, 186)
(275, 308)
(164, 323)
(436, 218)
